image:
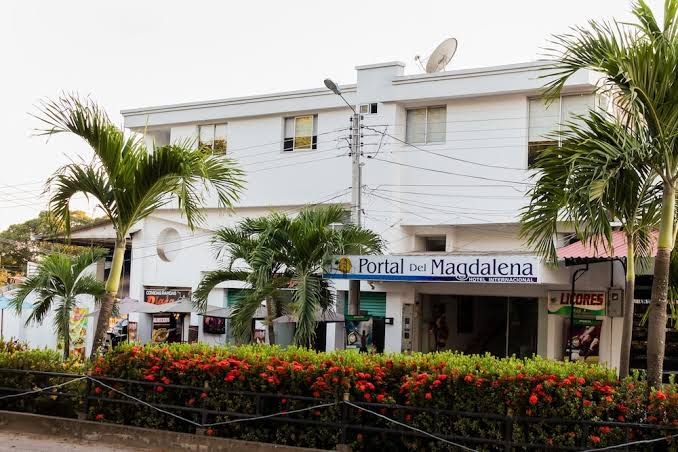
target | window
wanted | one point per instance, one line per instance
(426, 125)
(436, 243)
(212, 137)
(545, 121)
(301, 132)
(368, 109)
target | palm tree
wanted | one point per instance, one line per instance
(58, 281)
(286, 255)
(637, 62)
(588, 181)
(129, 181)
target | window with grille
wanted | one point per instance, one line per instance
(426, 125)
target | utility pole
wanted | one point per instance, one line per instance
(356, 204)
(356, 188)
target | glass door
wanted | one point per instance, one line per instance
(522, 324)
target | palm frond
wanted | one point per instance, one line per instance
(209, 281)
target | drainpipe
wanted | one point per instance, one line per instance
(575, 276)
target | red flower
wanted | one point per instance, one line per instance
(594, 439)
(203, 395)
(283, 401)
(605, 429)
(442, 377)
(316, 394)
(621, 418)
(359, 437)
(587, 403)
(428, 396)
(468, 378)
(165, 380)
(367, 396)
(97, 390)
(98, 370)
(380, 397)
(210, 432)
(408, 418)
(149, 377)
(99, 417)
(660, 395)
(581, 380)
(190, 402)
(159, 389)
(533, 399)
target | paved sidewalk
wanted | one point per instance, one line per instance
(10, 441)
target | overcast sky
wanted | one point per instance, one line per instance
(135, 53)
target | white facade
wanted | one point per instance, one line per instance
(467, 184)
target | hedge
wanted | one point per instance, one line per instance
(533, 388)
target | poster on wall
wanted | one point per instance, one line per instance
(585, 340)
(77, 331)
(164, 296)
(359, 333)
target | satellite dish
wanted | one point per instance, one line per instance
(441, 56)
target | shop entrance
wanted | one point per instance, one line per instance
(501, 326)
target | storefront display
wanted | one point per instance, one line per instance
(214, 325)
(167, 327)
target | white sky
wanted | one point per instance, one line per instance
(134, 53)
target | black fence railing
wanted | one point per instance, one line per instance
(309, 421)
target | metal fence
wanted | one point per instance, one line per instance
(251, 415)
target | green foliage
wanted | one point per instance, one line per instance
(15, 355)
(16, 242)
(532, 388)
(285, 253)
(128, 181)
(57, 283)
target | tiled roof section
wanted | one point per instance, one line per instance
(598, 249)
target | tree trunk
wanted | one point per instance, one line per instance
(67, 339)
(112, 286)
(270, 313)
(656, 335)
(629, 288)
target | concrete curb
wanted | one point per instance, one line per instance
(143, 438)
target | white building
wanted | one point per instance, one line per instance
(454, 192)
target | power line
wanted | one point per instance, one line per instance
(452, 173)
(444, 155)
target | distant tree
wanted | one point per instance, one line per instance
(17, 247)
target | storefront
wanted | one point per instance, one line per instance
(505, 305)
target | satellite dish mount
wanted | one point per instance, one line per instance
(440, 57)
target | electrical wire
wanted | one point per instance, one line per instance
(451, 173)
(444, 155)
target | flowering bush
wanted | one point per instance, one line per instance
(445, 382)
(427, 392)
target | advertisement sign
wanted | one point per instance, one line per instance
(588, 302)
(77, 331)
(164, 296)
(359, 333)
(585, 340)
(482, 269)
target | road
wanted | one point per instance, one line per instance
(26, 442)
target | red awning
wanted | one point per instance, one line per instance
(597, 249)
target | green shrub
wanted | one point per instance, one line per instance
(16, 356)
(533, 388)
